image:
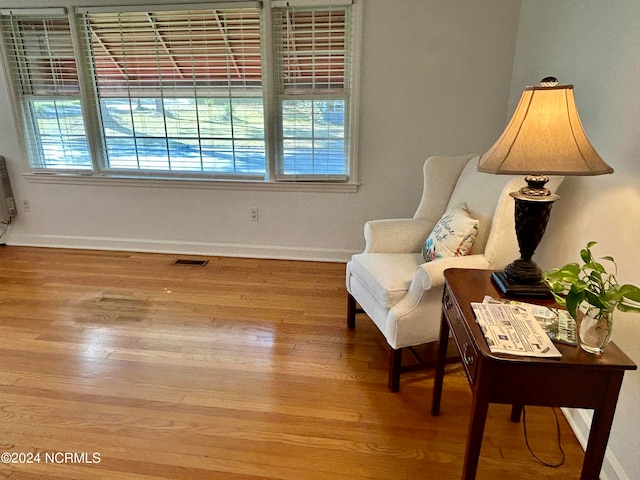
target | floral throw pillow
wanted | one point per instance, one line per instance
(453, 235)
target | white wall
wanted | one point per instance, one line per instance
(595, 45)
(435, 80)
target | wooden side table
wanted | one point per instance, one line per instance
(577, 380)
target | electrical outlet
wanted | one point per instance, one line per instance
(253, 214)
(26, 206)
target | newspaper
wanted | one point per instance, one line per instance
(513, 329)
(557, 323)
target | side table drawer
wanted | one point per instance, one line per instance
(467, 351)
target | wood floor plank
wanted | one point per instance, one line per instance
(242, 369)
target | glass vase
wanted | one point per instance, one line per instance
(595, 330)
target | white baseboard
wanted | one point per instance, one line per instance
(185, 248)
(580, 422)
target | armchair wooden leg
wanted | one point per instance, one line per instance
(516, 411)
(351, 312)
(395, 366)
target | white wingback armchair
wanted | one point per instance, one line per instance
(390, 280)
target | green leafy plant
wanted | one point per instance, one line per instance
(590, 283)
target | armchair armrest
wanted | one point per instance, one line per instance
(431, 274)
(398, 235)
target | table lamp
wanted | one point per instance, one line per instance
(544, 137)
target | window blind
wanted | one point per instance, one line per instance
(312, 49)
(169, 51)
(43, 71)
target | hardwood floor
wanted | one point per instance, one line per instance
(242, 369)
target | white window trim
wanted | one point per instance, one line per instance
(269, 182)
(189, 183)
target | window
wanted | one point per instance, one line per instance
(179, 90)
(198, 91)
(45, 76)
(312, 59)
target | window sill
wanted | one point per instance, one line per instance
(158, 182)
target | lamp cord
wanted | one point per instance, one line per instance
(524, 425)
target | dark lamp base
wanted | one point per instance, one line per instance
(510, 288)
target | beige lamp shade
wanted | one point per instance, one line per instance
(544, 137)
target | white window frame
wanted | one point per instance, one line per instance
(270, 182)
